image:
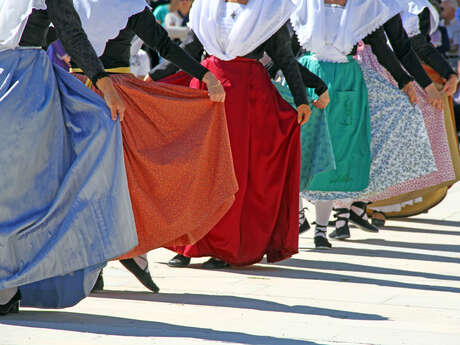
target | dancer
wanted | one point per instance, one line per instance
(370, 153)
(176, 145)
(317, 154)
(421, 18)
(64, 206)
(263, 128)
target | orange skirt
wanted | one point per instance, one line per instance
(178, 162)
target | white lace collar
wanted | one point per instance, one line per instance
(256, 23)
(13, 19)
(411, 12)
(103, 19)
(358, 18)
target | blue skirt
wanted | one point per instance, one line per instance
(64, 201)
(317, 155)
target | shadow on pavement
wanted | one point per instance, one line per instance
(429, 221)
(109, 325)
(281, 272)
(237, 302)
(420, 231)
(424, 246)
(384, 253)
(343, 266)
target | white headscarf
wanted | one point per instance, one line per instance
(102, 20)
(410, 16)
(259, 20)
(13, 19)
(331, 33)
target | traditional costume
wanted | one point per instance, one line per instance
(369, 132)
(64, 202)
(264, 133)
(420, 18)
(176, 144)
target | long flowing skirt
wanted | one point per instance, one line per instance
(400, 148)
(64, 201)
(436, 122)
(348, 119)
(265, 141)
(317, 154)
(178, 161)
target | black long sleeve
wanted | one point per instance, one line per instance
(310, 79)
(403, 50)
(191, 45)
(386, 57)
(426, 51)
(278, 47)
(146, 27)
(68, 26)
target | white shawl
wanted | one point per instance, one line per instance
(410, 16)
(259, 20)
(102, 20)
(332, 40)
(13, 19)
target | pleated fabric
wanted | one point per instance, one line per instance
(435, 122)
(265, 142)
(64, 205)
(178, 162)
(400, 148)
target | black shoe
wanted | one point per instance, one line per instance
(142, 275)
(322, 243)
(343, 232)
(359, 220)
(214, 264)
(179, 261)
(12, 306)
(303, 222)
(99, 284)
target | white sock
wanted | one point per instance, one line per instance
(323, 212)
(142, 262)
(7, 294)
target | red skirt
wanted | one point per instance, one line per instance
(265, 142)
(178, 162)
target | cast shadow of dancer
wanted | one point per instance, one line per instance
(344, 266)
(278, 271)
(238, 303)
(118, 326)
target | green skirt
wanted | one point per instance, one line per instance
(348, 120)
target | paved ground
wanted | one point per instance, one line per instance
(401, 286)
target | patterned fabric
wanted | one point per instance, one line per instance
(317, 155)
(178, 162)
(434, 123)
(400, 146)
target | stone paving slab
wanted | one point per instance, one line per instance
(401, 286)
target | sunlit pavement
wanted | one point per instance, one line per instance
(400, 286)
